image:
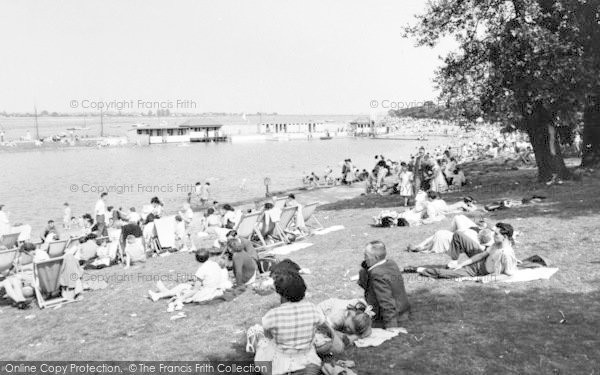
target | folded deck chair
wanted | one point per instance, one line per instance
(57, 248)
(308, 213)
(9, 240)
(7, 257)
(46, 275)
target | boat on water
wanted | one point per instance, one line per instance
(399, 138)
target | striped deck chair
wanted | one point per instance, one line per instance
(7, 258)
(57, 248)
(9, 240)
(273, 230)
(285, 222)
(45, 282)
(308, 213)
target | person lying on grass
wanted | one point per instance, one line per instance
(498, 260)
(464, 236)
(382, 282)
(208, 282)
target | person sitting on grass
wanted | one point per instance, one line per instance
(464, 236)
(286, 337)
(134, 251)
(497, 260)
(382, 282)
(18, 286)
(246, 244)
(213, 219)
(206, 284)
(244, 267)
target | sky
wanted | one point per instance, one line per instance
(296, 57)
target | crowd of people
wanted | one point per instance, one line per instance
(296, 335)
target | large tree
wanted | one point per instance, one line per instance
(525, 63)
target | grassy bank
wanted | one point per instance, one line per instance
(455, 328)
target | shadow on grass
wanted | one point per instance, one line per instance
(486, 329)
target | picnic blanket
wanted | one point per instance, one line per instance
(377, 337)
(284, 250)
(522, 275)
(334, 228)
(530, 274)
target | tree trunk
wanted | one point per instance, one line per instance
(591, 133)
(547, 152)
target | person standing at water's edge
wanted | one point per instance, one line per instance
(204, 193)
(383, 284)
(101, 214)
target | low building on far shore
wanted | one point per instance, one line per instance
(197, 130)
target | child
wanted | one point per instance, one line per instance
(67, 216)
(134, 251)
(406, 183)
(180, 233)
(208, 283)
(103, 256)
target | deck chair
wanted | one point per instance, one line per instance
(308, 213)
(246, 225)
(272, 230)
(9, 240)
(287, 216)
(57, 248)
(45, 281)
(279, 203)
(7, 258)
(164, 228)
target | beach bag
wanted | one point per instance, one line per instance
(402, 222)
(388, 221)
(266, 263)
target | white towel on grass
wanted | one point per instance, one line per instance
(334, 228)
(283, 250)
(377, 337)
(530, 274)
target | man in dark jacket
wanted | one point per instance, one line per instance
(384, 287)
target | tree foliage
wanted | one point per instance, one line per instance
(527, 63)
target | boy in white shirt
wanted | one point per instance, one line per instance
(208, 281)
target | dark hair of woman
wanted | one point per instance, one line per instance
(290, 286)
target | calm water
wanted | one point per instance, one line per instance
(36, 184)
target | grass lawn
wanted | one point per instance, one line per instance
(455, 328)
